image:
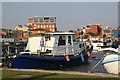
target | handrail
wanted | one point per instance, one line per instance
(64, 50)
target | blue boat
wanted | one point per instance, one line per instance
(52, 50)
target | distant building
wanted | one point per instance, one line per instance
(48, 23)
(79, 32)
(94, 28)
(22, 28)
(6, 33)
(22, 31)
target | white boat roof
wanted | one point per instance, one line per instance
(54, 33)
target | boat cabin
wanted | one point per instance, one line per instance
(55, 43)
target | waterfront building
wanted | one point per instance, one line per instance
(79, 32)
(22, 28)
(6, 35)
(93, 28)
(48, 23)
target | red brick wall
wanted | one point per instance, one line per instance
(94, 29)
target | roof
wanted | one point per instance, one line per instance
(43, 17)
(37, 29)
(4, 33)
(53, 33)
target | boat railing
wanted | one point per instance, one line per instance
(12, 49)
(66, 50)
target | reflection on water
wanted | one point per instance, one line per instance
(90, 65)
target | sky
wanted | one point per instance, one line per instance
(69, 15)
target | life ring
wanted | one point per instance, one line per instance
(67, 58)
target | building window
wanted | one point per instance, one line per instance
(52, 20)
(41, 20)
(52, 25)
(35, 20)
(46, 19)
(49, 25)
(34, 24)
(38, 26)
(45, 25)
(41, 26)
(53, 30)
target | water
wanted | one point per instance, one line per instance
(92, 62)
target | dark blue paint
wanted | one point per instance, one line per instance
(36, 62)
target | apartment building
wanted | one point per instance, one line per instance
(93, 28)
(45, 22)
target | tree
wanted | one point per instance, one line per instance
(71, 31)
(91, 34)
(96, 34)
(85, 36)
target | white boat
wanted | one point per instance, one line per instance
(97, 44)
(52, 50)
(108, 49)
(112, 63)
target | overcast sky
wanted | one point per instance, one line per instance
(69, 15)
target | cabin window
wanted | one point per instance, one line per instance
(74, 38)
(83, 45)
(69, 40)
(61, 41)
(80, 46)
(47, 38)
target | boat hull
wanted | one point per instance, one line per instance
(38, 62)
(111, 63)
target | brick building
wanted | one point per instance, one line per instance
(48, 23)
(94, 28)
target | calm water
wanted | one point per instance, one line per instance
(90, 65)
